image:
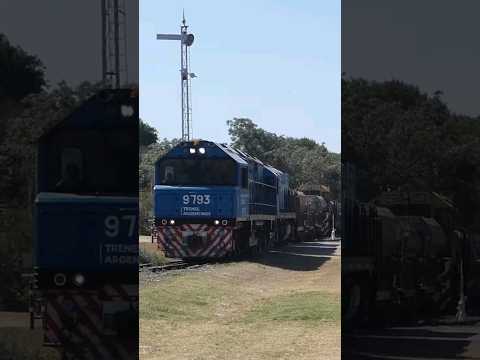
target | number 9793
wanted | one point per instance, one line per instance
(195, 199)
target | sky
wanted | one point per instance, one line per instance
(432, 44)
(275, 62)
(66, 36)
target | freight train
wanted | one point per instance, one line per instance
(86, 233)
(403, 256)
(213, 201)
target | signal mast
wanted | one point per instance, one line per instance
(114, 43)
(186, 40)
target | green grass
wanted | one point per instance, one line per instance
(309, 306)
(191, 298)
(178, 299)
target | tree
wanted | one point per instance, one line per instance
(20, 73)
(248, 137)
(403, 138)
(306, 161)
(393, 131)
(148, 134)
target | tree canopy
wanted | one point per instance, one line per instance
(148, 134)
(20, 73)
(306, 161)
(403, 137)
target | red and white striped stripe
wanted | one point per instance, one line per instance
(218, 243)
(87, 337)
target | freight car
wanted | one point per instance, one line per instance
(403, 251)
(213, 201)
(314, 217)
(86, 231)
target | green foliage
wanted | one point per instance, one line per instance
(148, 134)
(154, 257)
(403, 137)
(306, 161)
(20, 73)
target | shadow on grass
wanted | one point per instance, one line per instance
(299, 256)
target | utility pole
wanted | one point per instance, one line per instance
(186, 40)
(114, 43)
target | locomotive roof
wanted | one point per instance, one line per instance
(235, 154)
(101, 111)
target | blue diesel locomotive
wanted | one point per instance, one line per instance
(212, 201)
(86, 231)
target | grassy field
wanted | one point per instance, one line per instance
(242, 311)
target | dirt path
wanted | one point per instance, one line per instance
(284, 306)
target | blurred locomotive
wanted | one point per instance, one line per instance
(86, 231)
(213, 201)
(404, 251)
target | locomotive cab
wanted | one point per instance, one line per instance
(198, 194)
(87, 199)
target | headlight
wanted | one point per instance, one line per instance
(224, 222)
(201, 150)
(172, 222)
(216, 222)
(164, 222)
(193, 150)
(127, 110)
(79, 279)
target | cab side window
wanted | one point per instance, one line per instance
(72, 172)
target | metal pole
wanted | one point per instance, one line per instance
(186, 40)
(183, 89)
(187, 83)
(117, 45)
(104, 41)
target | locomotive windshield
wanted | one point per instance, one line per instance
(191, 172)
(91, 163)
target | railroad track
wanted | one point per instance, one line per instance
(171, 265)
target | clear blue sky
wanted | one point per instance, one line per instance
(274, 63)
